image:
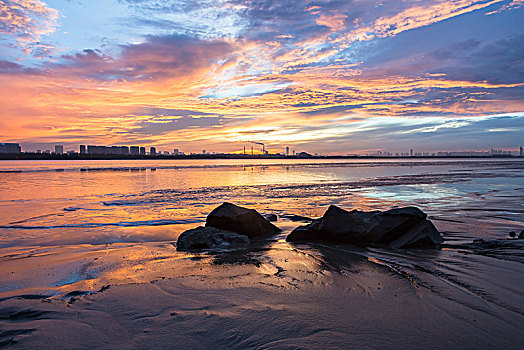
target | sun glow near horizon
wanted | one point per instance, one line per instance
(326, 76)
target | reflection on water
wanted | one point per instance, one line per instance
(102, 222)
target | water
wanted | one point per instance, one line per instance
(97, 202)
(68, 230)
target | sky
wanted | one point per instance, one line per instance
(321, 76)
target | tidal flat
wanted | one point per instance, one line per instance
(88, 256)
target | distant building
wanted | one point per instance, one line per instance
(411, 152)
(59, 149)
(166, 153)
(13, 148)
(499, 152)
(113, 150)
(521, 151)
(287, 151)
(142, 151)
(82, 149)
(463, 154)
(152, 151)
(134, 150)
(204, 151)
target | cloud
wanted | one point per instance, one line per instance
(157, 58)
(27, 21)
(167, 125)
(499, 62)
(293, 72)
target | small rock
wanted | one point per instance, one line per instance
(241, 220)
(513, 234)
(271, 217)
(210, 238)
(295, 217)
(521, 234)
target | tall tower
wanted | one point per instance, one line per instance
(287, 151)
(521, 152)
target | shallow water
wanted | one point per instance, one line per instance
(56, 202)
(68, 229)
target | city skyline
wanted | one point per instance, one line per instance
(320, 76)
(134, 150)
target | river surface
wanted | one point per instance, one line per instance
(72, 228)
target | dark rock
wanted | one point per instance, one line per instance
(241, 220)
(343, 226)
(306, 232)
(521, 234)
(392, 224)
(271, 217)
(210, 238)
(294, 217)
(396, 228)
(495, 244)
(513, 234)
(423, 234)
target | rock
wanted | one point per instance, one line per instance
(295, 217)
(210, 238)
(241, 220)
(423, 234)
(397, 228)
(343, 226)
(392, 224)
(306, 232)
(495, 244)
(513, 234)
(521, 234)
(271, 217)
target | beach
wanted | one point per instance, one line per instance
(88, 256)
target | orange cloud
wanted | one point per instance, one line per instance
(334, 22)
(27, 20)
(289, 90)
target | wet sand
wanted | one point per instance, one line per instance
(67, 283)
(275, 295)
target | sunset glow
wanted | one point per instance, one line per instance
(319, 76)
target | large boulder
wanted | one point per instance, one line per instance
(397, 228)
(241, 220)
(422, 234)
(390, 225)
(210, 238)
(343, 226)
